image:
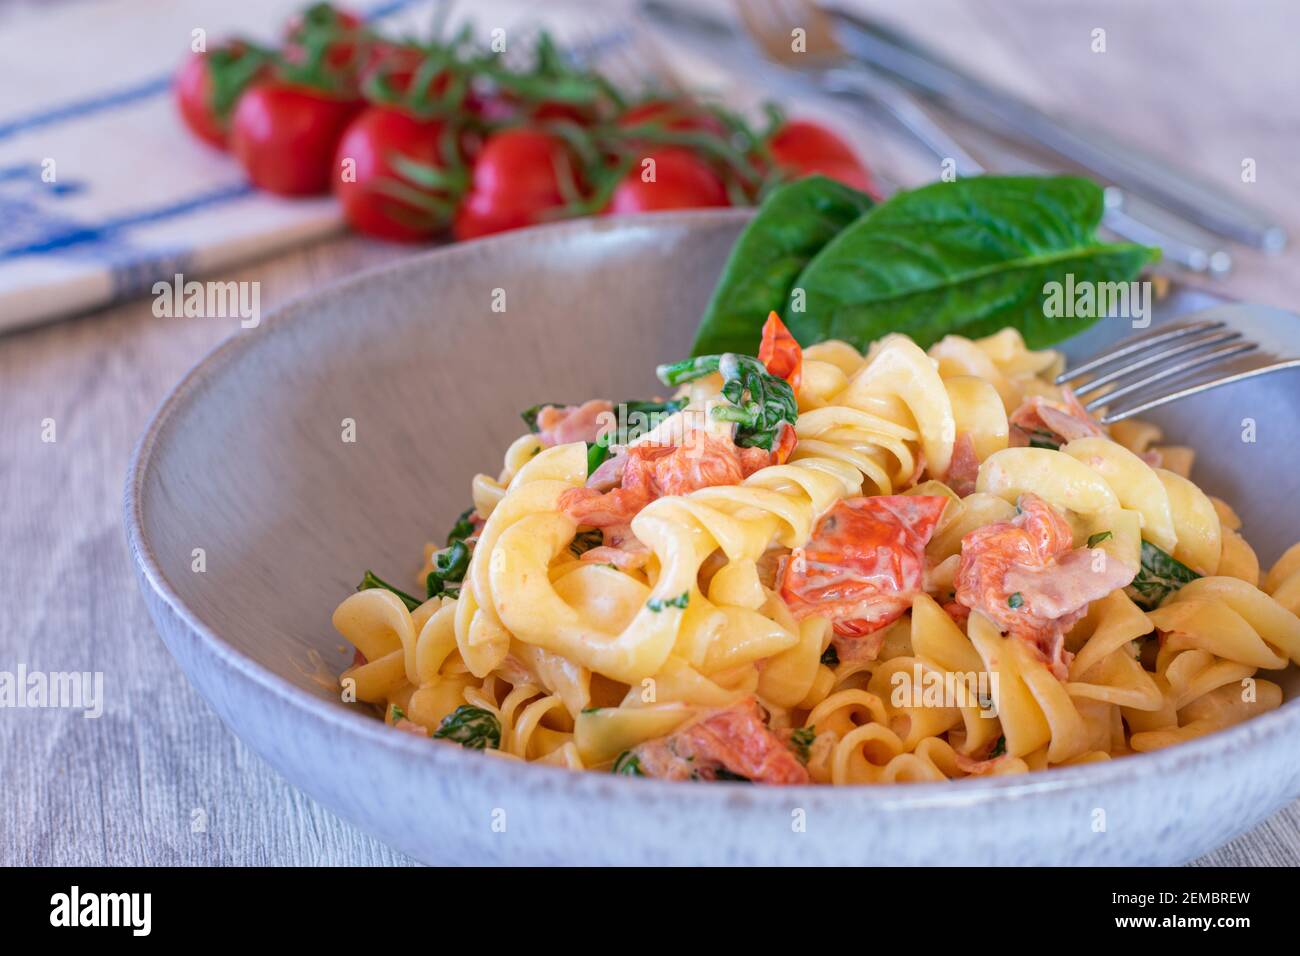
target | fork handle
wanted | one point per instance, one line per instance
(1120, 216)
(1119, 163)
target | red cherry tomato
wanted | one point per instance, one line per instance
(516, 180)
(197, 85)
(678, 115)
(286, 136)
(681, 181)
(385, 198)
(803, 148)
(343, 27)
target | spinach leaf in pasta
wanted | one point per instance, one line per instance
(449, 567)
(1160, 575)
(627, 764)
(463, 528)
(371, 580)
(801, 742)
(791, 227)
(760, 404)
(472, 727)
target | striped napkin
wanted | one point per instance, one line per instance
(102, 189)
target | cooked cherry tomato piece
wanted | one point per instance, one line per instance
(865, 562)
(780, 352)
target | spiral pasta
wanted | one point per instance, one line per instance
(927, 566)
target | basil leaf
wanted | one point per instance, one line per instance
(463, 528)
(760, 403)
(1160, 575)
(792, 226)
(448, 572)
(472, 727)
(627, 764)
(371, 580)
(970, 257)
(801, 741)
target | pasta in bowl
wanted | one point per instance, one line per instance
(827, 566)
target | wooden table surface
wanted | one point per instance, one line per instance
(1195, 81)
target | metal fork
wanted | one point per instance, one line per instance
(771, 24)
(1205, 350)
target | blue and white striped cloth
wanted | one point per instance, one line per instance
(102, 189)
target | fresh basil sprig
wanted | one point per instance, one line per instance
(1160, 575)
(794, 223)
(761, 403)
(968, 257)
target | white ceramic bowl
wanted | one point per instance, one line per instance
(245, 459)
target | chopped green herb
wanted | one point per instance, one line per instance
(584, 541)
(761, 405)
(628, 765)
(396, 713)
(999, 748)
(463, 528)
(1098, 538)
(371, 580)
(831, 657)
(642, 417)
(1160, 575)
(472, 727)
(1015, 601)
(801, 742)
(658, 604)
(589, 710)
(449, 567)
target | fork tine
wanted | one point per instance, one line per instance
(1255, 365)
(1215, 337)
(1137, 343)
(1200, 361)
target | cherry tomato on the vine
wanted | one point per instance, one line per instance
(802, 148)
(401, 185)
(517, 179)
(209, 84)
(285, 137)
(668, 178)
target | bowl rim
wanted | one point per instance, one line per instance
(296, 312)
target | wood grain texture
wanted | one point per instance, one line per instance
(123, 789)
